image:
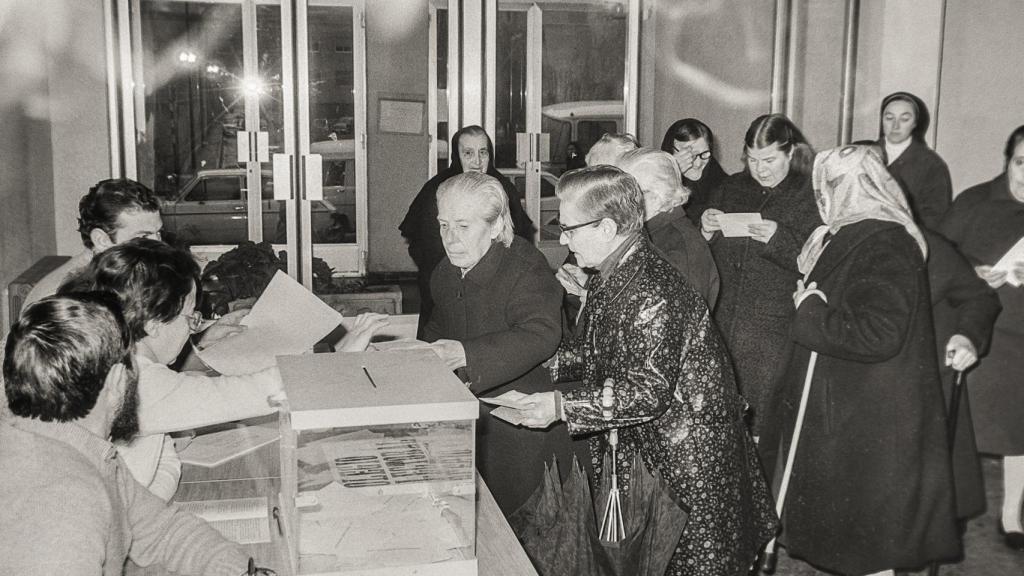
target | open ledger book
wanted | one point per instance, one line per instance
(241, 520)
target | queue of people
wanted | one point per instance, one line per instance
(787, 378)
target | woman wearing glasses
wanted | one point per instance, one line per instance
(692, 144)
(496, 319)
(648, 335)
(758, 267)
(157, 286)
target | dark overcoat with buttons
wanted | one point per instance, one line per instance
(755, 303)
(506, 312)
(871, 488)
(676, 405)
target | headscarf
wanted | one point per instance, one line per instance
(921, 116)
(851, 184)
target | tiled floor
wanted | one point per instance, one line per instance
(985, 554)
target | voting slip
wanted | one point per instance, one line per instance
(734, 224)
(509, 406)
(287, 319)
(1009, 260)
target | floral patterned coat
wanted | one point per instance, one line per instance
(676, 404)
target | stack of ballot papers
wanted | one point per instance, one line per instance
(287, 319)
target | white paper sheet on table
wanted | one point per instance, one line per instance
(216, 448)
(287, 319)
(734, 224)
(1006, 264)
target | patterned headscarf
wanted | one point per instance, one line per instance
(852, 184)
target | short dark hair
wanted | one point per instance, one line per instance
(107, 200)
(1016, 137)
(59, 353)
(687, 130)
(778, 129)
(151, 280)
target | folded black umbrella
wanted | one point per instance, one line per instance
(558, 527)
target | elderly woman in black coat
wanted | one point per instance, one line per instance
(496, 319)
(675, 401)
(758, 270)
(871, 488)
(472, 151)
(922, 172)
(667, 226)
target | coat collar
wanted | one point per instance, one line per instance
(629, 265)
(664, 220)
(486, 268)
(842, 244)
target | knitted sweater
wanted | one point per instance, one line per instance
(71, 508)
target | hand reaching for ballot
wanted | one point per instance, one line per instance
(573, 278)
(223, 327)
(451, 351)
(540, 411)
(364, 328)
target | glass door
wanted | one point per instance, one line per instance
(564, 77)
(213, 91)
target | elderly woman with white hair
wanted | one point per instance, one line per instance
(496, 319)
(667, 225)
(648, 336)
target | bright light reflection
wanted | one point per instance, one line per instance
(253, 87)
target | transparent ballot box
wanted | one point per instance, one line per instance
(377, 465)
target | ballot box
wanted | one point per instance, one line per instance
(377, 465)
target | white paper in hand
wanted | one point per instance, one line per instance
(287, 319)
(511, 399)
(734, 224)
(1009, 261)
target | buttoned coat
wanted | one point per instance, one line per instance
(506, 313)
(757, 279)
(871, 488)
(676, 405)
(924, 176)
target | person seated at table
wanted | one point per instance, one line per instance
(472, 151)
(666, 223)
(112, 212)
(495, 322)
(609, 147)
(157, 285)
(692, 144)
(69, 506)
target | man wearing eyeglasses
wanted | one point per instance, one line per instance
(69, 505)
(114, 211)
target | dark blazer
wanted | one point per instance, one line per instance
(701, 190)
(962, 303)
(506, 313)
(755, 304)
(871, 486)
(925, 178)
(676, 406)
(984, 223)
(684, 247)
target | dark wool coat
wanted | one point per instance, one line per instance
(923, 175)
(871, 486)
(683, 246)
(505, 312)
(962, 303)
(984, 223)
(676, 405)
(754, 304)
(700, 190)
(422, 232)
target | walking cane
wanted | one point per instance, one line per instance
(954, 411)
(771, 551)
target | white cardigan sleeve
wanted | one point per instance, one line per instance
(170, 401)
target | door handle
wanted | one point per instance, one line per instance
(314, 175)
(283, 177)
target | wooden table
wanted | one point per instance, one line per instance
(498, 551)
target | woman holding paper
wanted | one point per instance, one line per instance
(758, 266)
(496, 319)
(648, 335)
(986, 223)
